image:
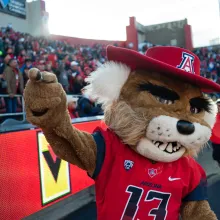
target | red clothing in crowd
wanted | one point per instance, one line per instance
(21, 60)
(11, 56)
(216, 131)
(53, 59)
(72, 113)
(36, 46)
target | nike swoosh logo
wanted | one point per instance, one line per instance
(173, 179)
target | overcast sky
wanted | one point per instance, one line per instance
(102, 19)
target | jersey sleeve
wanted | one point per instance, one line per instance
(197, 185)
(100, 143)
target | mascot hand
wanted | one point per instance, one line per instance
(45, 99)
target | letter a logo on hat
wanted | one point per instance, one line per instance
(187, 62)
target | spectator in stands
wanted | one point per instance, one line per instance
(27, 64)
(41, 65)
(72, 108)
(86, 106)
(15, 85)
(25, 74)
(74, 69)
(9, 52)
(19, 50)
(22, 58)
(73, 72)
(87, 71)
(52, 58)
(3, 65)
(63, 74)
(78, 84)
(48, 67)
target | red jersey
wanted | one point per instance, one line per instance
(130, 187)
(215, 138)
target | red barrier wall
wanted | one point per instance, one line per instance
(82, 41)
(32, 177)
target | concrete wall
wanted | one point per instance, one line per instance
(35, 18)
(141, 37)
(171, 33)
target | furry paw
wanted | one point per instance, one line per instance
(45, 99)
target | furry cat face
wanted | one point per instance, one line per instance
(161, 118)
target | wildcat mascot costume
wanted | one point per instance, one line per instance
(157, 119)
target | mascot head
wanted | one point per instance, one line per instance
(155, 102)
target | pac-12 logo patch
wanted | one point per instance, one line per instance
(152, 172)
(128, 164)
(187, 62)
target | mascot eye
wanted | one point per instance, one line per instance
(200, 104)
(164, 101)
(195, 110)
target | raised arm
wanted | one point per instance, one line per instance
(46, 107)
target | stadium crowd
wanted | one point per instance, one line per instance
(71, 63)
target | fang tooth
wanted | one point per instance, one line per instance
(162, 147)
(169, 148)
(157, 144)
(175, 148)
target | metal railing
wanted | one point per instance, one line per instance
(23, 108)
(16, 113)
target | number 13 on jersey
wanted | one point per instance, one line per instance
(136, 194)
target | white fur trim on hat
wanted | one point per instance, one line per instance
(106, 82)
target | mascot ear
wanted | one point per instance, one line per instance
(106, 82)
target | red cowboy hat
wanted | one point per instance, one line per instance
(172, 61)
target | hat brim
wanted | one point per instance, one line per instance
(139, 61)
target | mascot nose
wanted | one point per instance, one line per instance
(185, 127)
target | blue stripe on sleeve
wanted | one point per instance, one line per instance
(199, 193)
(100, 143)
